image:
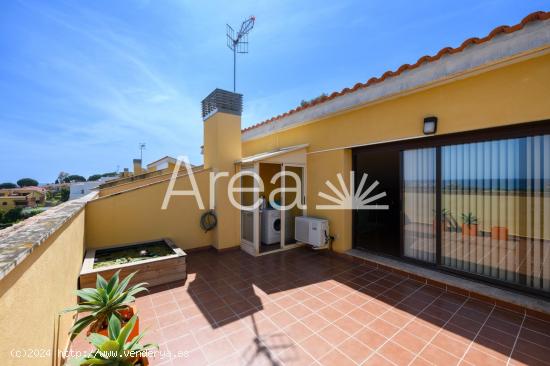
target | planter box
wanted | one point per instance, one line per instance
(155, 271)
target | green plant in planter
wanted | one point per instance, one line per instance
(114, 350)
(469, 218)
(104, 301)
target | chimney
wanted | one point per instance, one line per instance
(137, 167)
(221, 113)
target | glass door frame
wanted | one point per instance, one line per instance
(255, 214)
(526, 129)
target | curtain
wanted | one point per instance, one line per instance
(495, 199)
(419, 197)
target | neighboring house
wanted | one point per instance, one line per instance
(461, 138)
(166, 163)
(80, 189)
(21, 197)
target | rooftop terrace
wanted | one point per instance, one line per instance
(308, 308)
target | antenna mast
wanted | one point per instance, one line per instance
(238, 43)
(141, 148)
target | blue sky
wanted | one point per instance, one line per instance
(82, 83)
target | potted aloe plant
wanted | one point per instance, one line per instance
(115, 348)
(101, 303)
(469, 224)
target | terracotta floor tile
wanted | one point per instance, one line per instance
(335, 357)
(283, 319)
(168, 319)
(362, 317)
(348, 325)
(332, 334)
(452, 344)
(315, 322)
(477, 357)
(344, 306)
(236, 310)
(217, 349)
(396, 354)
(377, 360)
(296, 357)
(519, 358)
(314, 303)
(409, 341)
(298, 331)
(355, 350)
(437, 356)
(192, 358)
(535, 337)
(174, 330)
(186, 343)
(532, 349)
(330, 313)
(383, 328)
(316, 346)
(396, 319)
(242, 338)
(376, 307)
(370, 337)
(299, 311)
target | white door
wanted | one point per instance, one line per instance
(250, 217)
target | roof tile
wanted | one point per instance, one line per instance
(536, 16)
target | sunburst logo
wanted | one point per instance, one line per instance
(347, 198)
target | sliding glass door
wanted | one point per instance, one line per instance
(419, 204)
(495, 197)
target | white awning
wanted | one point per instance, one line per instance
(270, 154)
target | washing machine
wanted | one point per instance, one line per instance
(271, 226)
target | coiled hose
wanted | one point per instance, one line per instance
(208, 221)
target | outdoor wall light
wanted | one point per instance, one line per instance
(430, 125)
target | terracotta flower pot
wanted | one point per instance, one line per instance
(142, 361)
(499, 233)
(469, 230)
(126, 314)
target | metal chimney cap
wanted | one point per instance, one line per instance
(222, 101)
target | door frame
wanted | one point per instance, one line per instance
(284, 245)
(527, 129)
(255, 215)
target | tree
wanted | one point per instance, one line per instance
(74, 178)
(61, 176)
(27, 182)
(12, 215)
(63, 194)
(7, 185)
(110, 174)
(94, 177)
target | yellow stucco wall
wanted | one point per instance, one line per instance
(136, 215)
(32, 295)
(6, 203)
(222, 147)
(513, 94)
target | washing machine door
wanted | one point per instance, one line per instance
(277, 225)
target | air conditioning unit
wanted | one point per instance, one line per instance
(312, 231)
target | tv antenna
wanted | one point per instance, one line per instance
(238, 43)
(141, 148)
